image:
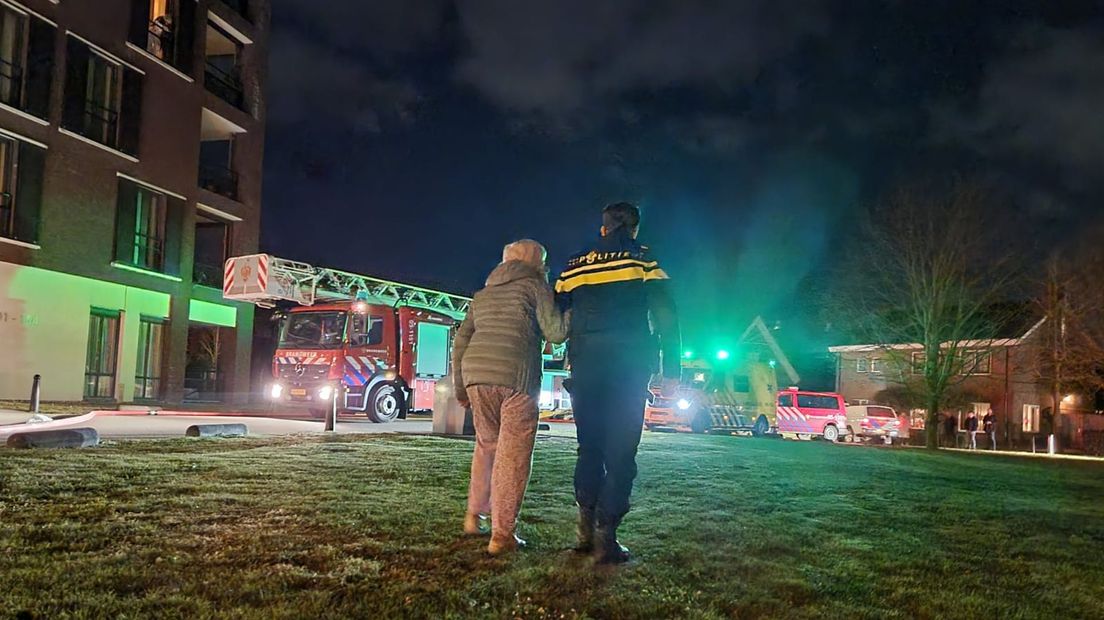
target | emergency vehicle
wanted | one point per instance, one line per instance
(377, 347)
(876, 421)
(804, 415)
(734, 392)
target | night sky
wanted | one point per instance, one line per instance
(411, 139)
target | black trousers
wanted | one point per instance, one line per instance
(608, 393)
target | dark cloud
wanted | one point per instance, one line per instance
(1037, 116)
(556, 59)
(345, 62)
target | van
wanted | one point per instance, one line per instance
(805, 415)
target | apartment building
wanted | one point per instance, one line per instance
(131, 142)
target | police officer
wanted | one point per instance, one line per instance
(617, 292)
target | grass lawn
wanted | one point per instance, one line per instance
(366, 526)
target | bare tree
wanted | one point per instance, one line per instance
(928, 288)
(1071, 350)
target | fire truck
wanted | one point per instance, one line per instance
(360, 343)
(734, 392)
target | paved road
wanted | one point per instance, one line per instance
(166, 425)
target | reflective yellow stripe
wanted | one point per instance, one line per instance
(626, 274)
(629, 262)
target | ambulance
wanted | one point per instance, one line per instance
(731, 391)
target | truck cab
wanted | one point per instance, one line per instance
(362, 357)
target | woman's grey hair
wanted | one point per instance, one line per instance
(525, 250)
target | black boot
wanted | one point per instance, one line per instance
(584, 531)
(606, 548)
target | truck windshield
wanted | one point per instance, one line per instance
(313, 330)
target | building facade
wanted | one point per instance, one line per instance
(131, 141)
(1000, 376)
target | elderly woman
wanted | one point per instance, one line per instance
(496, 360)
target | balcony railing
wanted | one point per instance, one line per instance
(227, 86)
(161, 42)
(100, 124)
(219, 179)
(7, 226)
(207, 275)
(11, 83)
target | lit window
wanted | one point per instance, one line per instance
(147, 376)
(101, 100)
(102, 353)
(862, 364)
(1031, 418)
(876, 365)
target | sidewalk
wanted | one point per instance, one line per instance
(1038, 455)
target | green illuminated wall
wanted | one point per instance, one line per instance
(44, 329)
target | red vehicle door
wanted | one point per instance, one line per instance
(820, 410)
(426, 348)
(370, 351)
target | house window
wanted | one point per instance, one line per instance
(1031, 418)
(211, 249)
(977, 362)
(102, 354)
(8, 154)
(918, 362)
(160, 41)
(876, 365)
(102, 98)
(21, 167)
(862, 364)
(149, 230)
(147, 376)
(13, 44)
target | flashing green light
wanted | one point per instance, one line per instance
(688, 355)
(773, 363)
(722, 354)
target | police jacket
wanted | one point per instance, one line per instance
(618, 292)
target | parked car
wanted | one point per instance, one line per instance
(876, 421)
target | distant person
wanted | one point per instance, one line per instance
(989, 424)
(617, 292)
(972, 429)
(950, 430)
(497, 361)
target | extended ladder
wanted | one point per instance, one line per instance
(264, 279)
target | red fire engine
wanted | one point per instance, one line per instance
(377, 347)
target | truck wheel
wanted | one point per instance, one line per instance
(699, 424)
(831, 433)
(385, 403)
(761, 427)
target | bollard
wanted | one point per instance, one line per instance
(36, 393)
(60, 438)
(1052, 445)
(216, 430)
(331, 415)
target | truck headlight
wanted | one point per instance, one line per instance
(275, 391)
(325, 392)
(684, 404)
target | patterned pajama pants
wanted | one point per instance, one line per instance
(505, 430)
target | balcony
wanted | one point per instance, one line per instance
(225, 85)
(218, 179)
(161, 41)
(11, 83)
(207, 275)
(100, 123)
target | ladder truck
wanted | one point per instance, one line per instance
(354, 343)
